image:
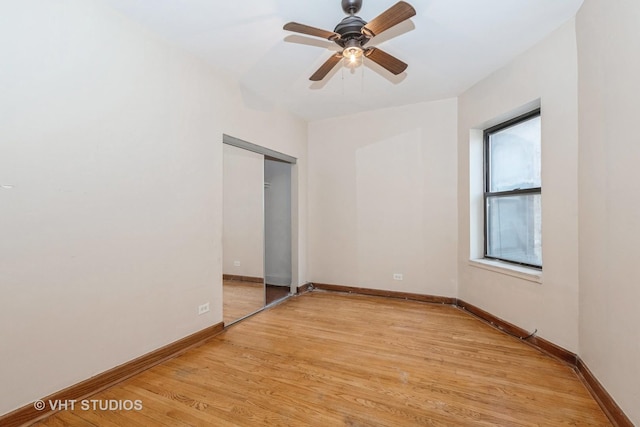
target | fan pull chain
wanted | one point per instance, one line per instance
(362, 80)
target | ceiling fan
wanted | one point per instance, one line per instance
(353, 33)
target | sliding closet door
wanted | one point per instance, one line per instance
(251, 197)
(277, 220)
(242, 234)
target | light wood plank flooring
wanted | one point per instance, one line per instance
(240, 299)
(329, 359)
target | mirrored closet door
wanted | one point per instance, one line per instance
(257, 228)
(242, 233)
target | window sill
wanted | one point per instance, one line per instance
(525, 273)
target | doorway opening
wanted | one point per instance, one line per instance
(277, 229)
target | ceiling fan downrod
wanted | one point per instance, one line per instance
(351, 6)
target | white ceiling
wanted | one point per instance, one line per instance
(449, 45)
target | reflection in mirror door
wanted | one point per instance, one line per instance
(277, 229)
(242, 236)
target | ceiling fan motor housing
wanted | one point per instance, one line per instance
(350, 28)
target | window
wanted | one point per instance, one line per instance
(513, 191)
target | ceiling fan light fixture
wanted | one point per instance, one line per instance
(352, 51)
(352, 54)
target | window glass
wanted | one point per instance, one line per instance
(514, 157)
(514, 226)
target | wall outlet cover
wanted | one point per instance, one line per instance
(202, 309)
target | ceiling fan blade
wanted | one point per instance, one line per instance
(326, 67)
(312, 31)
(397, 13)
(386, 61)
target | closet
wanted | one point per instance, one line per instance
(257, 228)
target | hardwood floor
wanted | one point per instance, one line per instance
(276, 292)
(241, 298)
(330, 359)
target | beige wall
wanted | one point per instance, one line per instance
(609, 102)
(243, 217)
(382, 199)
(548, 73)
(112, 232)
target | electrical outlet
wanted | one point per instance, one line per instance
(236, 263)
(202, 309)
(397, 276)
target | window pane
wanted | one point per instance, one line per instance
(514, 157)
(514, 228)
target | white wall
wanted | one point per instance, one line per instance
(548, 73)
(382, 199)
(112, 232)
(243, 218)
(609, 102)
